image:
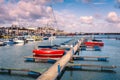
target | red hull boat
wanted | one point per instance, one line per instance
(94, 43)
(48, 53)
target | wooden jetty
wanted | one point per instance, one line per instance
(13, 69)
(90, 65)
(99, 58)
(40, 59)
(33, 73)
(55, 69)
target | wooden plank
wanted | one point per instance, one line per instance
(75, 56)
(26, 70)
(14, 69)
(41, 58)
(90, 65)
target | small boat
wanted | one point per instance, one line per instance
(47, 52)
(10, 42)
(49, 46)
(49, 37)
(2, 43)
(66, 46)
(45, 38)
(29, 38)
(94, 43)
(52, 37)
(19, 39)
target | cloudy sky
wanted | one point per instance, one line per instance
(68, 15)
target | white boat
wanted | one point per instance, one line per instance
(66, 46)
(19, 39)
(9, 42)
(29, 38)
(2, 43)
(52, 37)
(16, 40)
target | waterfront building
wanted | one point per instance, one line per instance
(15, 30)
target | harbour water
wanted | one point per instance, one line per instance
(112, 50)
(13, 57)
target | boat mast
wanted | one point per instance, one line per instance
(54, 23)
(54, 18)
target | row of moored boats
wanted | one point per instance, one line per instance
(21, 40)
(51, 52)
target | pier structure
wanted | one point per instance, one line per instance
(80, 66)
(40, 59)
(99, 58)
(55, 69)
(60, 63)
(29, 72)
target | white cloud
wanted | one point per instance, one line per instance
(86, 1)
(36, 13)
(86, 19)
(117, 4)
(1, 1)
(118, 25)
(15, 23)
(118, 1)
(113, 17)
(99, 3)
(58, 1)
(23, 9)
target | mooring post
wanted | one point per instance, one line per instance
(73, 51)
(59, 68)
(71, 60)
(102, 59)
(102, 68)
(9, 71)
(81, 58)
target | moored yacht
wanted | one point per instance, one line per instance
(94, 43)
(19, 39)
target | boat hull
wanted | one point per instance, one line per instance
(2, 43)
(19, 41)
(94, 44)
(46, 38)
(48, 53)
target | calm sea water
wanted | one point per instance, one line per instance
(13, 57)
(112, 50)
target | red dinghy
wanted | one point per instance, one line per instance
(47, 52)
(94, 43)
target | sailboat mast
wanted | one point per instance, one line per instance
(54, 18)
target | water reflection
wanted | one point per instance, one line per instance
(20, 44)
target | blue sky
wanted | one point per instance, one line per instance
(82, 9)
(71, 15)
(100, 8)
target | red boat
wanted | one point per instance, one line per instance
(94, 43)
(48, 53)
